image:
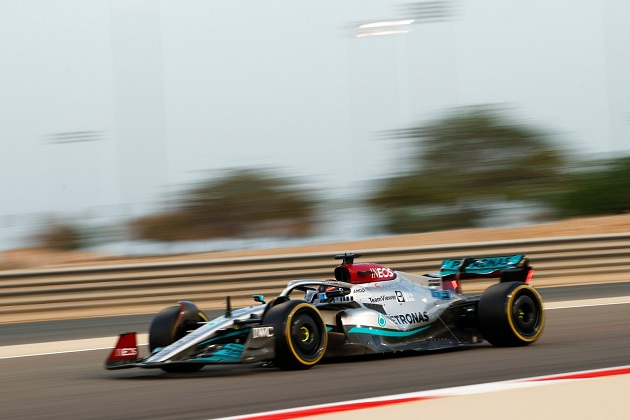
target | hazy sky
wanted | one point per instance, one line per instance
(176, 90)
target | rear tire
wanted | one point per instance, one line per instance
(511, 314)
(300, 334)
(171, 324)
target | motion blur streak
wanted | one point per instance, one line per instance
(386, 23)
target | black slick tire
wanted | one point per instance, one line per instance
(171, 324)
(300, 334)
(510, 314)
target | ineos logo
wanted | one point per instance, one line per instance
(126, 352)
(381, 273)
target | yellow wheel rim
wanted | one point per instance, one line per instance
(306, 333)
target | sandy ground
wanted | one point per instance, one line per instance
(37, 258)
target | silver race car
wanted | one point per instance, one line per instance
(368, 308)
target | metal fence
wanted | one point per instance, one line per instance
(145, 288)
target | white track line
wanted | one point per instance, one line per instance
(61, 347)
(586, 303)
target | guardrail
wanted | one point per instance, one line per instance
(146, 288)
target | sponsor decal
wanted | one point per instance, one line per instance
(491, 262)
(404, 296)
(262, 332)
(381, 273)
(359, 290)
(441, 294)
(410, 318)
(382, 298)
(381, 320)
(485, 263)
(126, 352)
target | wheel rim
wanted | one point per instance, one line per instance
(525, 315)
(306, 336)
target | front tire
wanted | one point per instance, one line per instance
(511, 314)
(300, 334)
(171, 324)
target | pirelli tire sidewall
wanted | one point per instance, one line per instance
(300, 334)
(511, 314)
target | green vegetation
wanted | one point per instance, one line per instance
(241, 203)
(458, 168)
(462, 164)
(60, 237)
(603, 187)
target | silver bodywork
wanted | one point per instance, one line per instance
(409, 312)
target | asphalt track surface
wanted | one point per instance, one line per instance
(75, 385)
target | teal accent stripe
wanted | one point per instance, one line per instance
(231, 352)
(386, 333)
(328, 329)
(230, 334)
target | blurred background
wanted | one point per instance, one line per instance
(139, 127)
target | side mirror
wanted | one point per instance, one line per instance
(337, 292)
(259, 298)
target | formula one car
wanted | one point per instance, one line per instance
(368, 308)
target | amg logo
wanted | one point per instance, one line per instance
(126, 352)
(262, 332)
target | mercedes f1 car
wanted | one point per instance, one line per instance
(368, 308)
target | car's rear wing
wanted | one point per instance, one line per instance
(506, 268)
